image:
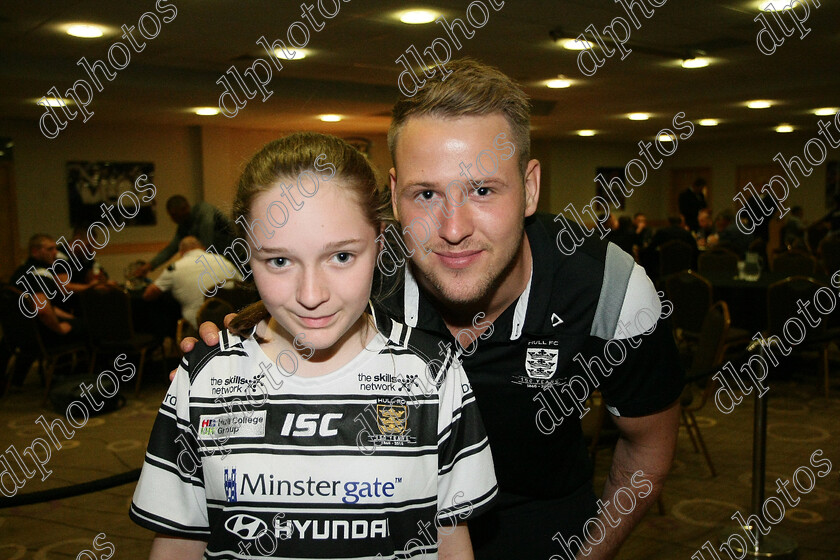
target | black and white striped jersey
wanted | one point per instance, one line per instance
(365, 462)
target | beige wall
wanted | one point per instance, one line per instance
(226, 150)
(204, 162)
(572, 164)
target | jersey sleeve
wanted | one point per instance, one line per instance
(170, 498)
(165, 280)
(641, 305)
(466, 476)
(648, 375)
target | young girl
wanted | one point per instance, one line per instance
(314, 429)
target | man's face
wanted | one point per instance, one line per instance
(474, 213)
(704, 219)
(47, 253)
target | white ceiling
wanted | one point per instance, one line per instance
(353, 71)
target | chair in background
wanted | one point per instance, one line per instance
(705, 362)
(184, 329)
(22, 336)
(675, 256)
(791, 263)
(692, 296)
(718, 260)
(107, 312)
(783, 304)
(829, 249)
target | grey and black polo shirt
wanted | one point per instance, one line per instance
(583, 322)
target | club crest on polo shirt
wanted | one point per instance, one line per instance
(541, 359)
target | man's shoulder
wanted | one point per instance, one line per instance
(204, 356)
(590, 251)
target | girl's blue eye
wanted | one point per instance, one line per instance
(343, 258)
(277, 262)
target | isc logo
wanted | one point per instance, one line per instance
(306, 425)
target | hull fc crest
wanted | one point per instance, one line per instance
(392, 422)
(541, 363)
(391, 418)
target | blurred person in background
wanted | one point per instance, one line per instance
(691, 201)
(184, 278)
(203, 220)
(643, 233)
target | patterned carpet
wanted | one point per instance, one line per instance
(697, 505)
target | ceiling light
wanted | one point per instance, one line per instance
(784, 128)
(638, 116)
(558, 83)
(575, 45)
(297, 54)
(708, 122)
(586, 133)
(207, 111)
(774, 5)
(758, 104)
(665, 138)
(416, 17)
(698, 62)
(330, 118)
(86, 31)
(52, 102)
(826, 111)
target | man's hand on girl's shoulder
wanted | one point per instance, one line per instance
(208, 332)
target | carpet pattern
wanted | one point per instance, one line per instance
(800, 422)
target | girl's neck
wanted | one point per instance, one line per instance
(312, 362)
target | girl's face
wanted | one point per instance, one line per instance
(314, 273)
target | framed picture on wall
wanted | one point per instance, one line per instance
(92, 183)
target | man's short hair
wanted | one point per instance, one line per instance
(189, 243)
(472, 89)
(37, 241)
(176, 202)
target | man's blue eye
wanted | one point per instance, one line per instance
(482, 191)
(427, 194)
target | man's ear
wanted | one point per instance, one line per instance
(392, 182)
(532, 187)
